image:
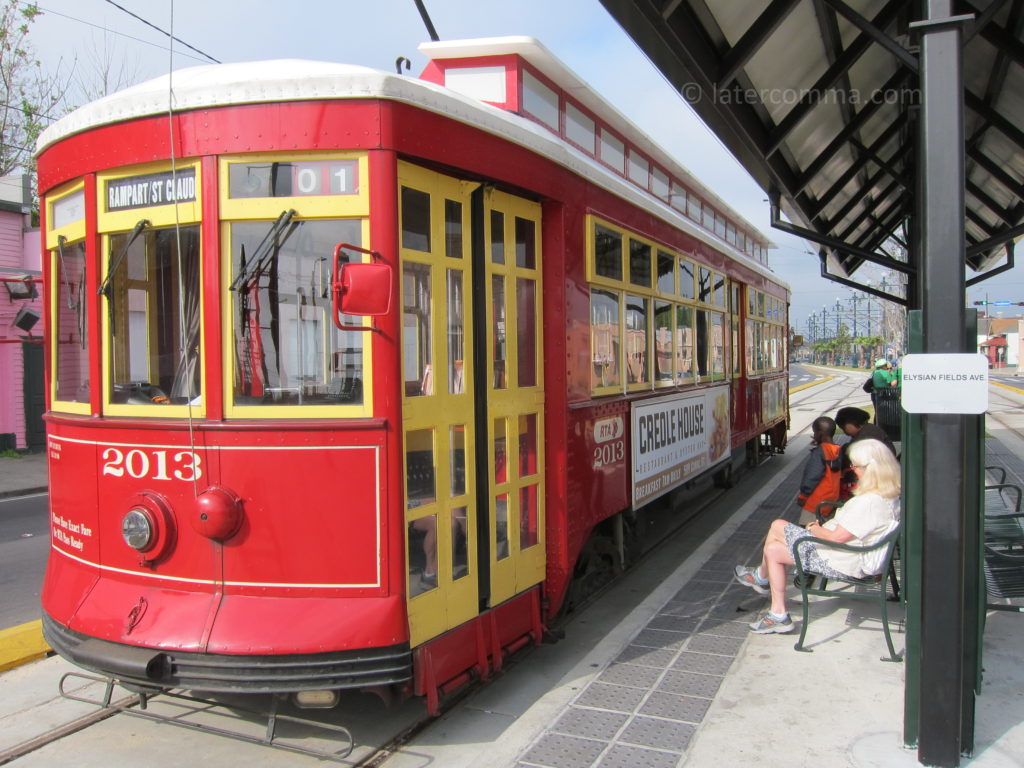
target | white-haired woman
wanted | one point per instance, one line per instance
(865, 519)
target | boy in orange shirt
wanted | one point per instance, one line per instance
(820, 480)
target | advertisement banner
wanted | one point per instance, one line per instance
(675, 438)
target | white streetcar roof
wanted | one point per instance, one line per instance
(217, 85)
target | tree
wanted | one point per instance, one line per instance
(31, 98)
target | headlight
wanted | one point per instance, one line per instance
(137, 529)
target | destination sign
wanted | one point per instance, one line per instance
(151, 189)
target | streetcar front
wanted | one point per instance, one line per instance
(220, 429)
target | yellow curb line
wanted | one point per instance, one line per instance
(1007, 386)
(811, 384)
(22, 644)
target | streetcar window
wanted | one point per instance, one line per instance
(287, 351)
(540, 101)
(460, 552)
(663, 312)
(500, 452)
(636, 340)
(604, 337)
(704, 284)
(666, 272)
(501, 526)
(686, 279)
(613, 151)
(659, 183)
(720, 225)
(751, 302)
(456, 333)
(528, 445)
(419, 468)
(579, 128)
(415, 220)
(453, 229)
(422, 555)
(639, 263)
(719, 281)
(717, 345)
(734, 347)
(416, 330)
(71, 334)
(526, 244)
(678, 197)
(707, 217)
(498, 330)
(693, 206)
(153, 306)
(497, 237)
(527, 517)
(607, 253)
(457, 460)
(760, 304)
(526, 328)
(684, 343)
(734, 306)
(703, 344)
(639, 170)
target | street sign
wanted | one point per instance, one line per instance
(945, 383)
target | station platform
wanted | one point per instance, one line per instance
(660, 671)
(679, 680)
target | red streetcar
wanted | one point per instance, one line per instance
(345, 368)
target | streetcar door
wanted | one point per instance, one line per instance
(437, 403)
(515, 395)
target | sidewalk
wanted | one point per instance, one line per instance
(21, 477)
(681, 682)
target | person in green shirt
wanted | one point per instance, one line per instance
(882, 376)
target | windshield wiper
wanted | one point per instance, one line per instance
(116, 261)
(266, 251)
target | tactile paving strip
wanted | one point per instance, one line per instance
(645, 707)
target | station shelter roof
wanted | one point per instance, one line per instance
(819, 99)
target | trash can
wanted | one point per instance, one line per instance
(888, 410)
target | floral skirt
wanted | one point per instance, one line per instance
(809, 555)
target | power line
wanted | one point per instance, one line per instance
(115, 32)
(163, 32)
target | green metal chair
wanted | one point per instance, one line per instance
(876, 586)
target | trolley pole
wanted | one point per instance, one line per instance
(945, 702)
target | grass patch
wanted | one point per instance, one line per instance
(10, 453)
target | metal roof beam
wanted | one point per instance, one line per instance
(1006, 236)
(877, 34)
(839, 68)
(852, 226)
(985, 199)
(982, 18)
(851, 128)
(854, 169)
(996, 171)
(831, 242)
(752, 40)
(1000, 123)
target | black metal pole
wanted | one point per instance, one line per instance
(941, 134)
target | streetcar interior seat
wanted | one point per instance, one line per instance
(345, 390)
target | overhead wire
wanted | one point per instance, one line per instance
(162, 31)
(51, 12)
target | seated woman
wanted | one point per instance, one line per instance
(872, 513)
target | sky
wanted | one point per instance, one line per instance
(80, 35)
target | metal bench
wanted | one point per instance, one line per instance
(870, 588)
(1004, 578)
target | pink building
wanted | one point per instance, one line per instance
(22, 388)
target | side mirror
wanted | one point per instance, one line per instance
(358, 288)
